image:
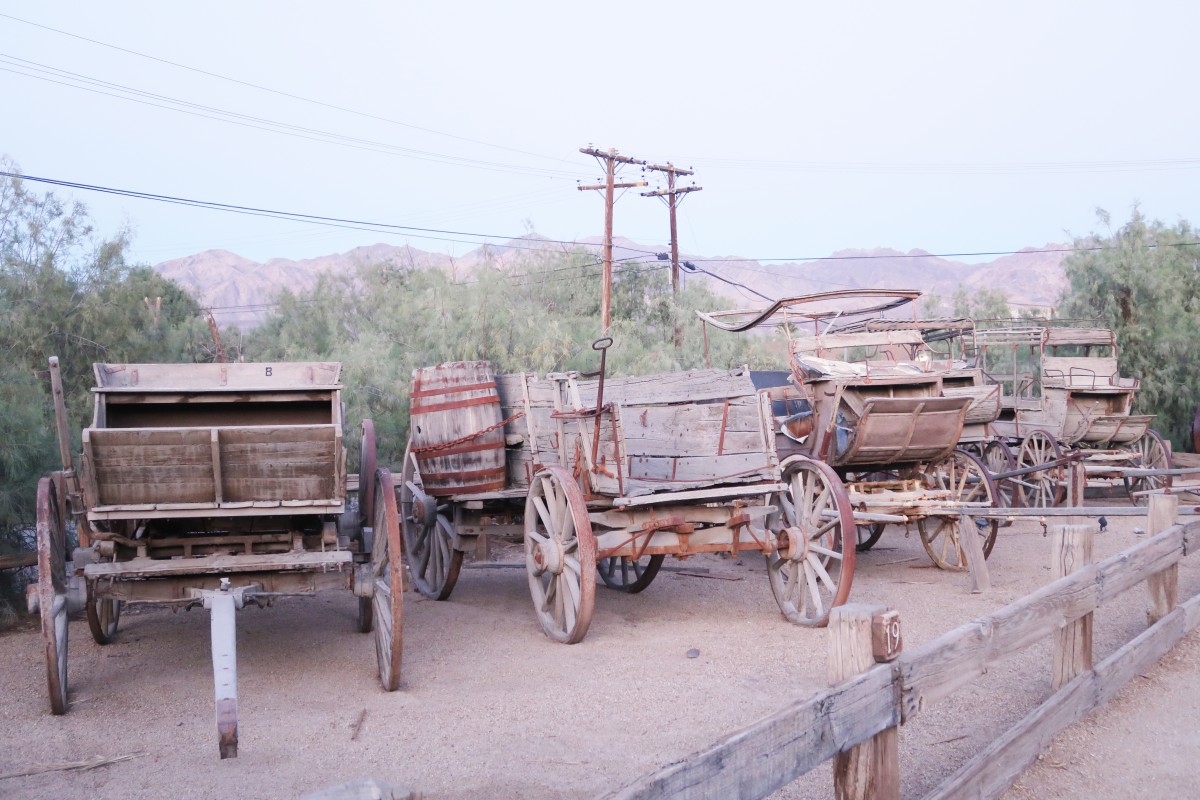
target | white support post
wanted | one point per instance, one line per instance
(222, 605)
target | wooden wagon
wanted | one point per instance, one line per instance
(214, 485)
(608, 478)
(867, 399)
(1063, 398)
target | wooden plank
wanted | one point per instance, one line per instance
(690, 386)
(201, 377)
(199, 510)
(1191, 537)
(773, 752)
(871, 770)
(133, 466)
(202, 565)
(700, 495)
(1142, 652)
(940, 667)
(706, 469)
(991, 772)
(1071, 550)
(1127, 569)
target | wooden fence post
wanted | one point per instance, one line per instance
(871, 770)
(1163, 586)
(1071, 551)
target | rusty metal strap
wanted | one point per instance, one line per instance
(454, 389)
(454, 405)
(431, 448)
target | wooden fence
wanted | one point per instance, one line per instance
(855, 721)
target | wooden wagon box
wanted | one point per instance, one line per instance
(192, 440)
(669, 432)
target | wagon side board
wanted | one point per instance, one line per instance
(158, 472)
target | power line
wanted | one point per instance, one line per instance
(142, 97)
(426, 233)
(281, 93)
(866, 257)
(953, 168)
(315, 219)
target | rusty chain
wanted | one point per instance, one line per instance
(432, 448)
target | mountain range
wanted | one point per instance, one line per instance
(241, 291)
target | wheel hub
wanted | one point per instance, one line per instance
(548, 557)
(792, 543)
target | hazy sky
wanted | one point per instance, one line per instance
(812, 127)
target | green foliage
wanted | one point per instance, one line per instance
(1143, 281)
(982, 304)
(540, 313)
(64, 292)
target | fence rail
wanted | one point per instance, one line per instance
(853, 720)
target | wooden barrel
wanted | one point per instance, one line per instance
(454, 425)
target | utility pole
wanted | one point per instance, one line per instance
(673, 197)
(610, 159)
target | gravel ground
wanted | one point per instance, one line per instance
(489, 707)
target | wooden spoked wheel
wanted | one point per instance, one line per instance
(1151, 452)
(629, 575)
(868, 535)
(387, 597)
(1046, 488)
(52, 591)
(433, 563)
(103, 614)
(968, 481)
(812, 569)
(366, 474)
(999, 458)
(560, 555)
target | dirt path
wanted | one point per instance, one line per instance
(490, 707)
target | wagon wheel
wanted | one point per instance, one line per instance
(1151, 453)
(629, 575)
(387, 572)
(868, 535)
(1046, 488)
(968, 481)
(103, 614)
(560, 555)
(366, 474)
(813, 568)
(998, 458)
(52, 592)
(433, 563)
